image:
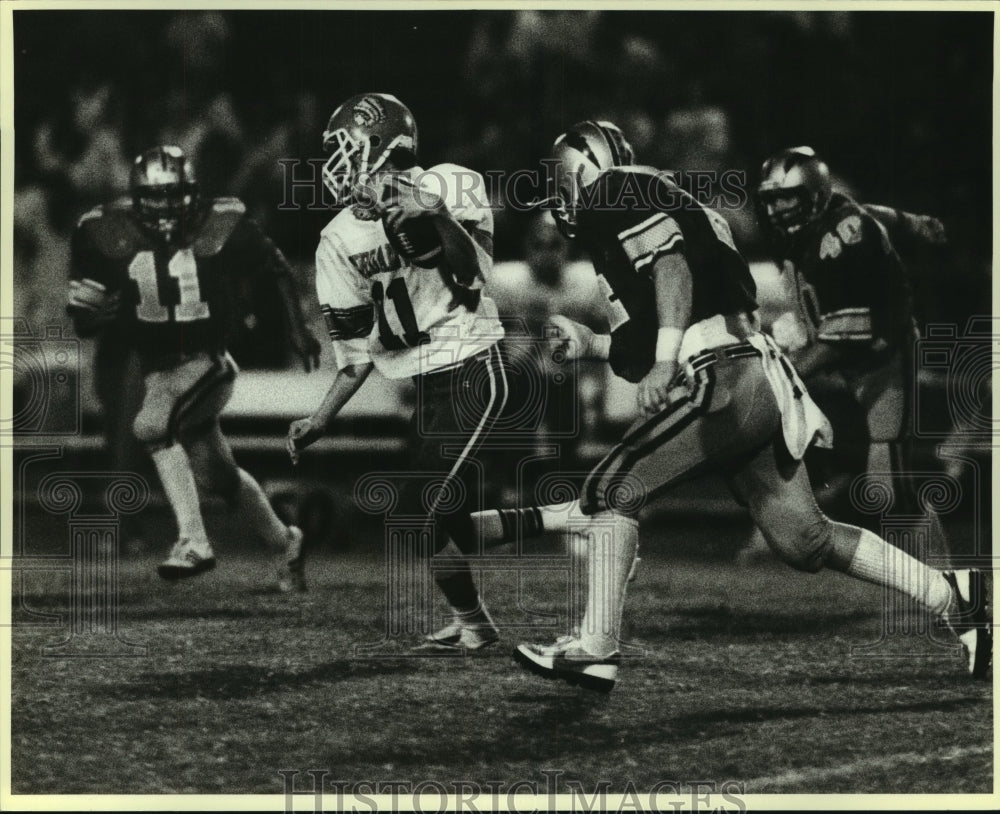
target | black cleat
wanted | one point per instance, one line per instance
(970, 620)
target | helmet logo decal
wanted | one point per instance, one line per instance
(579, 143)
(369, 111)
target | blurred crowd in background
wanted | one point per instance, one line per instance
(898, 103)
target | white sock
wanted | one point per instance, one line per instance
(174, 469)
(561, 516)
(877, 561)
(611, 548)
(255, 512)
(501, 526)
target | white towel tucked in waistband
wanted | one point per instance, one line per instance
(802, 421)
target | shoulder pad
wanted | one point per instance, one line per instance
(637, 179)
(111, 230)
(221, 220)
(841, 206)
(459, 187)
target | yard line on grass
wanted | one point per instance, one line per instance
(762, 785)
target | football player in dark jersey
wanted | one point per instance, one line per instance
(714, 394)
(853, 336)
(165, 265)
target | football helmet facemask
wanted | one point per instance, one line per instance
(578, 156)
(794, 188)
(164, 190)
(363, 134)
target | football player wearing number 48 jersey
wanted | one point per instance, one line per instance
(714, 394)
(168, 268)
(410, 317)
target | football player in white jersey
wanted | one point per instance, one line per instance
(420, 316)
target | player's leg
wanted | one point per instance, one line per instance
(714, 418)
(777, 491)
(217, 473)
(155, 427)
(456, 411)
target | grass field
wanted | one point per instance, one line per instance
(748, 676)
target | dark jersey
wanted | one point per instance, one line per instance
(632, 216)
(912, 236)
(853, 289)
(181, 298)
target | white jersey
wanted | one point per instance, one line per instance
(381, 309)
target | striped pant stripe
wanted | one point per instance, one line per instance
(647, 438)
(499, 393)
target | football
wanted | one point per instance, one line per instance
(416, 240)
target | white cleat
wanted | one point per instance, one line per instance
(971, 620)
(567, 661)
(291, 565)
(467, 633)
(188, 558)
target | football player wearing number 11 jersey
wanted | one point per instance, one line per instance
(169, 268)
(414, 311)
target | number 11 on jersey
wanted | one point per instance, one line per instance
(412, 335)
(183, 268)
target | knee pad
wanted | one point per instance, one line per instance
(804, 546)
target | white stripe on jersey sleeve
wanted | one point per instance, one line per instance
(846, 325)
(645, 242)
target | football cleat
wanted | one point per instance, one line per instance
(291, 565)
(970, 619)
(463, 635)
(188, 558)
(569, 662)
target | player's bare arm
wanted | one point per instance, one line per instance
(672, 282)
(576, 340)
(305, 431)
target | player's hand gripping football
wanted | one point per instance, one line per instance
(654, 389)
(410, 201)
(566, 336)
(302, 433)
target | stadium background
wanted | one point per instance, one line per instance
(785, 682)
(898, 103)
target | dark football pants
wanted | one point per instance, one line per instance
(456, 410)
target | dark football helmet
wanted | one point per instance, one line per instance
(794, 188)
(363, 134)
(164, 190)
(578, 156)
